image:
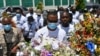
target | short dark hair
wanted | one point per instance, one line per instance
(69, 14)
(53, 12)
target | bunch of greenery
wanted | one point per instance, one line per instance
(40, 5)
(80, 4)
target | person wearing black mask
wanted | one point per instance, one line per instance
(29, 29)
(10, 36)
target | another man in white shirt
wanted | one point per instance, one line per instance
(19, 19)
(75, 15)
(66, 23)
(39, 19)
(29, 28)
(31, 12)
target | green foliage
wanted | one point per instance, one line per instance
(40, 6)
(80, 4)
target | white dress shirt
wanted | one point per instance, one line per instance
(20, 22)
(31, 29)
(39, 21)
(58, 34)
(70, 29)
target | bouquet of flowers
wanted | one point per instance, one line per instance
(48, 47)
(86, 38)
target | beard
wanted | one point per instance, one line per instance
(65, 24)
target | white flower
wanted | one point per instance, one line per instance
(55, 45)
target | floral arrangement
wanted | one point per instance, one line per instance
(86, 39)
(48, 47)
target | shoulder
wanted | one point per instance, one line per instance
(14, 18)
(23, 16)
(71, 25)
(62, 31)
(25, 24)
(15, 30)
(2, 31)
(59, 26)
(44, 29)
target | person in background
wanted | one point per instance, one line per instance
(75, 15)
(29, 29)
(30, 12)
(19, 19)
(98, 13)
(39, 19)
(60, 9)
(45, 12)
(9, 36)
(4, 14)
(50, 30)
(65, 23)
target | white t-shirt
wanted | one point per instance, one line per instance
(20, 22)
(31, 29)
(68, 30)
(39, 21)
(75, 17)
(58, 34)
(81, 17)
(27, 15)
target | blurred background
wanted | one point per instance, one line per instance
(48, 4)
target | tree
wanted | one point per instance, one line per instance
(80, 4)
(40, 5)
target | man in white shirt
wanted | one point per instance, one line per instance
(31, 12)
(51, 30)
(66, 23)
(75, 15)
(29, 28)
(39, 19)
(19, 19)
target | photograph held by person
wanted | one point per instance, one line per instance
(9, 37)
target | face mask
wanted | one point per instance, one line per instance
(18, 16)
(52, 25)
(7, 27)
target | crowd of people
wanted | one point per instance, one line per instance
(58, 24)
